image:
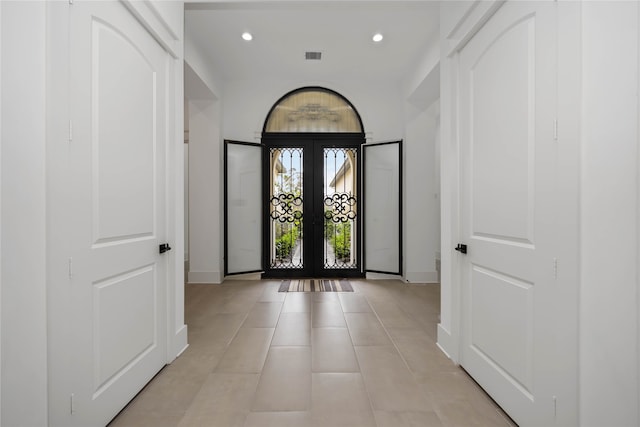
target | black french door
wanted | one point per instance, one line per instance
(311, 206)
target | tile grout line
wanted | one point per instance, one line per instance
(385, 295)
(436, 409)
(235, 334)
(413, 376)
(212, 371)
(366, 389)
(255, 393)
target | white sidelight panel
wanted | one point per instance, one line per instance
(243, 207)
(383, 207)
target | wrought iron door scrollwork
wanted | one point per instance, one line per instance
(286, 205)
(342, 207)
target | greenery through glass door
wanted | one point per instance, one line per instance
(286, 208)
(340, 207)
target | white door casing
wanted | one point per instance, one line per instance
(117, 310)
(507, 111)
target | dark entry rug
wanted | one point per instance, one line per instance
(315, 285)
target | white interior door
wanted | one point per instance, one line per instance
(117, 312)
(507, 114)
(383, 207)
(243, 207)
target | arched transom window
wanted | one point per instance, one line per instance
(313, 110)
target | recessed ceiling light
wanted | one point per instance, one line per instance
(247, 36)
(377, 37)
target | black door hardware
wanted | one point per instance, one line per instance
(461, 248)
(164, 248)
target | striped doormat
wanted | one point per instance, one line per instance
(315, 285)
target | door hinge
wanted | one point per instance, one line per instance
(555, 129)
(72, 407)
(70, 131)
(555, 407)
(555, 268)
(70, 268)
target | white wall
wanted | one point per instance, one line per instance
(203, 117)
(609, 223)
(421, 200)
(205, 192)
(384, 115)
(421, 89)
(186, 180)
(205, 184)
(437, 186)
(186, 202)
(24, 327)
(247, 103)
(0, 214)
(208, 81)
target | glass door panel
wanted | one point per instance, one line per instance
(286, 213)
(243, 207)
(340, 208)
(312, 224)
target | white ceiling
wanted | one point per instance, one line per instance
(284, 30)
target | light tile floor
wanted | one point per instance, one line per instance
(261, 358)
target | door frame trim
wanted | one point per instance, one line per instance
(568, 101)
(270, 139)
(449, 328)
(58, 224)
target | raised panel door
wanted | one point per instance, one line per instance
(507, 112)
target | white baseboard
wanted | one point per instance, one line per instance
(445, 344)
(179, 343)
(205, 277)
(248, 276)
(382, 276)
(422, 277)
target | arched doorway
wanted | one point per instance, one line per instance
(312, 199)
(311, 185)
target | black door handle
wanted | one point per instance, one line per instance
(461, 248)
(164, 248)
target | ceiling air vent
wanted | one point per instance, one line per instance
(313, 56)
